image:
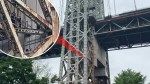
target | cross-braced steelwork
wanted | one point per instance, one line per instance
(127, 30)
(27, 30)
(78, 30)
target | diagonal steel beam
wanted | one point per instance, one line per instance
(50, 40)
(43, 46)
(12, 29)
(46, 12)
(33, 13)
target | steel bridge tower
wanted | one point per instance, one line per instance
(92, 68)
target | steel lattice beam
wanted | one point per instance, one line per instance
(127, 30)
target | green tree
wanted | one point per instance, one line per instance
(130, 77)
(54, 79)
(16, 71)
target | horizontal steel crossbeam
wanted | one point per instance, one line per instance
(29, 31)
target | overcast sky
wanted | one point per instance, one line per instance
(136, 59)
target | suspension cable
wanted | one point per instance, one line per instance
(115, 7)
(61, 9)
(135, 5)
(109, 8)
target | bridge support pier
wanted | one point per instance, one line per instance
(101, 62)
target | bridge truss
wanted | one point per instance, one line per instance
(27, 30)
(127, 30)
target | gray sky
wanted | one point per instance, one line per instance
(136, 59)
(125, 5)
